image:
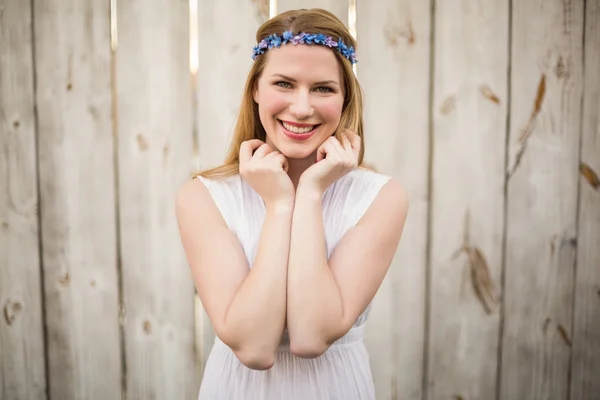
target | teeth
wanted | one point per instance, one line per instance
(296, 129)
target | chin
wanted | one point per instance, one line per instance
(296, 152)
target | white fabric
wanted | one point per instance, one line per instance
(343, 371)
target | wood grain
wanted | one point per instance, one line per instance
(154, 130)
(585, 382)
(469, 110)
(543, 163)
(77, 189)
(22, 361)
(393, 69)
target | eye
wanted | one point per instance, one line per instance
(283, 84)
(324, 89)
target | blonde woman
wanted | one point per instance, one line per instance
(290, 239)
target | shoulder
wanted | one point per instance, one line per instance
(199, 191)
(209, 198)
(368, 192)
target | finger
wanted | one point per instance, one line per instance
(355, 140)
(329, 149)
(346, 143)
(338, 149)
(280, 158)
(262, 151)
(322, 152)
(247, 147)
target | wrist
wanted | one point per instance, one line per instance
(280, 206)
(309, 192)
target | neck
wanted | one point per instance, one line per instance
(296, 167)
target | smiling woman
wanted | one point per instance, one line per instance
(300, 99)
(289, 240)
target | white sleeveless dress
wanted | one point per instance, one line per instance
(343, 371)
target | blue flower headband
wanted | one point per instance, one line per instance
(305, 38)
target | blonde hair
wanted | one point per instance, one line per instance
(248, 125)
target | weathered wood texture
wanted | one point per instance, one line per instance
(585, 378)
(22, 362)
(338, 7)
(76, 180)
(469, 108)
(393, 68)
(546, 90)
(154, 130)
(221, 81)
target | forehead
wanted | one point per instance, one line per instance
(303, 62)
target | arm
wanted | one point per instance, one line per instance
(325, 298)
(246, 306)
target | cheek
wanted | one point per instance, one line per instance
(271, 102)
(331, 110)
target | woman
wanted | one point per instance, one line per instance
(290, 239)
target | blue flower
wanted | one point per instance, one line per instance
(287, 36)
(309, 38)
(320, 38)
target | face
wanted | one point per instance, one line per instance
(300, 98)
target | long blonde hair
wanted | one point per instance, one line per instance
(248, 125)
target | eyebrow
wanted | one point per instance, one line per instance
(287, 78)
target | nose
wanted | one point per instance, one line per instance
(301, 106)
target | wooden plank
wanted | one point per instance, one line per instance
(545, 111)
(22, 363)
(72, 44)
(338, 7)
(154, 93)
(469, 129)
(219, 92)
(393, 59)
(221, 81)
(585, 382)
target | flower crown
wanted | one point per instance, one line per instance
(305, 38)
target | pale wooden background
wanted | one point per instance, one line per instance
(487, 112)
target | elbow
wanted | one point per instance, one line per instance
(308, 349)
(253, 355)
(260, 361)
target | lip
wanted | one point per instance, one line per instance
(296, 124)
(298, 136)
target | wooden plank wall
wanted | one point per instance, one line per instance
(393, 64)
(77, 193)
(467, 212)
(542, 189)
(488, 119)
(154, 129)
(586, 319)
(22, 360)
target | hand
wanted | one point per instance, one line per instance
(334, 160)
(266, 172)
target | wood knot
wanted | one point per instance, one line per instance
(65, 279)
(11, 310)
(560, 69)
(147, 327)
(142, 142)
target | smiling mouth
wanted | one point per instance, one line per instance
(299, 130)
